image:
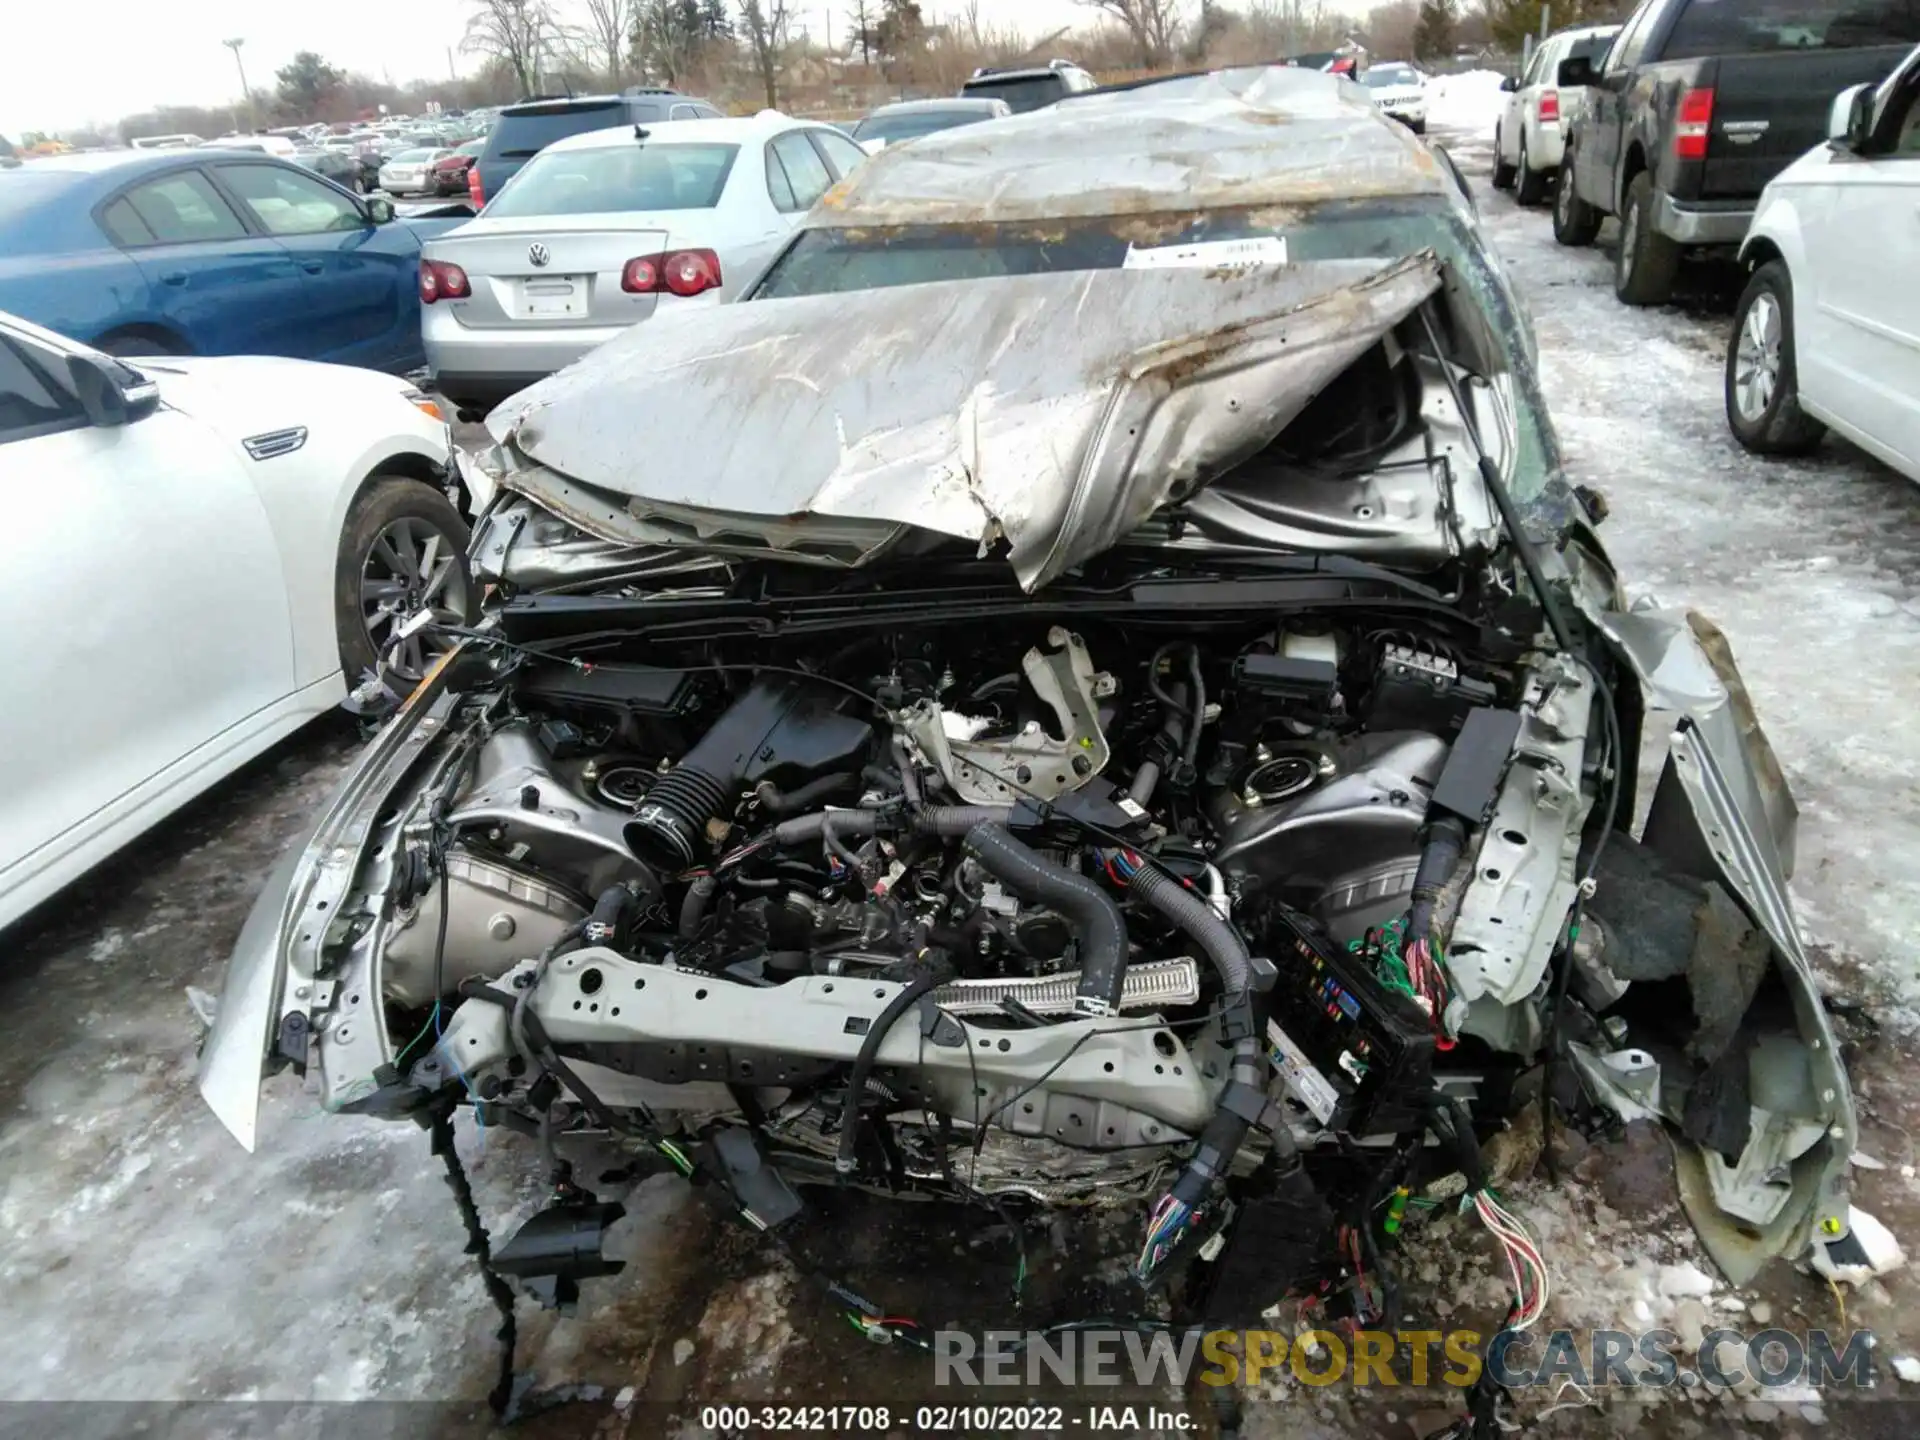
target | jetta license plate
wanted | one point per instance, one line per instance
(559, 296)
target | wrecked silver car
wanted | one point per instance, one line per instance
(1088, 688)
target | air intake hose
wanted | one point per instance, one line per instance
(1097, 921)
(782, 730)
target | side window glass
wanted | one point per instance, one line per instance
(707, 112)
(124, 225)
(28, 404)
(684, 112)
(807, 173)
(842, 154)
(1546, 60)
(1631, 43)
(285, 202)
(779, 188)
(181, 209)
(1906, 128)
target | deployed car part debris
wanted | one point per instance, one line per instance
(1140, 738)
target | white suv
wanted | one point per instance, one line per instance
(1532, 133)
(1827, 333)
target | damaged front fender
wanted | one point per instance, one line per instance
(287, 932)
(1723, 814)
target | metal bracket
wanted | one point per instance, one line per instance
(1030, 764)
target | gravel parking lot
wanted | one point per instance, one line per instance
(144, 1256)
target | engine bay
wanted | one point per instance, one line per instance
(1049, 915)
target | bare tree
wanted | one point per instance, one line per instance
(608, 31)
(863, 31)
(766, 25)
(513, 32)
(970, 19)
(1153, 24)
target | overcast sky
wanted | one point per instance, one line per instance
(66, 63)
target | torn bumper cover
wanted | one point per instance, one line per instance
(1052, 413)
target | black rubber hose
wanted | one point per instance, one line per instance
(830, 839)
(845, 1162)
(909, 777)
(1098, 924)
(1241, 1096)
(693, 908)
(1191, 751)
(1439, 858)
(1200, 921)
(1220, 1141)
(948, 820)
(951, 820)
(776, 801)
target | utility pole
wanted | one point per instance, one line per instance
(245, 94)
(452, 74)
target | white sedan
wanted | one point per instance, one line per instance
(1827, 332)
(200, 556)
(602, 230)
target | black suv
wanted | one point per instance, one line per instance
(524, 130)
(1698, 104)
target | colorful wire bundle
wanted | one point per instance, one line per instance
(1524, 1261)
(1426, 973)
(1165, 1226)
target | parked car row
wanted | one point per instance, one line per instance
(1782, 133)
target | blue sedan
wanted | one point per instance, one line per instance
(210, 252)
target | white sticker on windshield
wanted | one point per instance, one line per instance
(1209, 254)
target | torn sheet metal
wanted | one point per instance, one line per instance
(1722, 809)
(1052, 412)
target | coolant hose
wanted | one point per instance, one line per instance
(1098, 923)
(776, 801)
(693, 908)
(844, 1161)
(909, 777)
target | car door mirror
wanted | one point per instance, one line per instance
(111, 394)
(1850, 118)
(380, 210)
(1575, 72)
(1510, 84)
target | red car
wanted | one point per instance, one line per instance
(450, 171)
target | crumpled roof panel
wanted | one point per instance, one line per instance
(1265, 135)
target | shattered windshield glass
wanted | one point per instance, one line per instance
(827, 261)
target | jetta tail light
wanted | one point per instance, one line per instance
(1549, 105)
(676, 272)
(476, 192)
(1696, 119)
(442, 280)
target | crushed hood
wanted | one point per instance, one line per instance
(1051, 412)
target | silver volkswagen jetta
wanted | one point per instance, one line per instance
(602, 230)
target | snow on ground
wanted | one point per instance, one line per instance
(1470, 103)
